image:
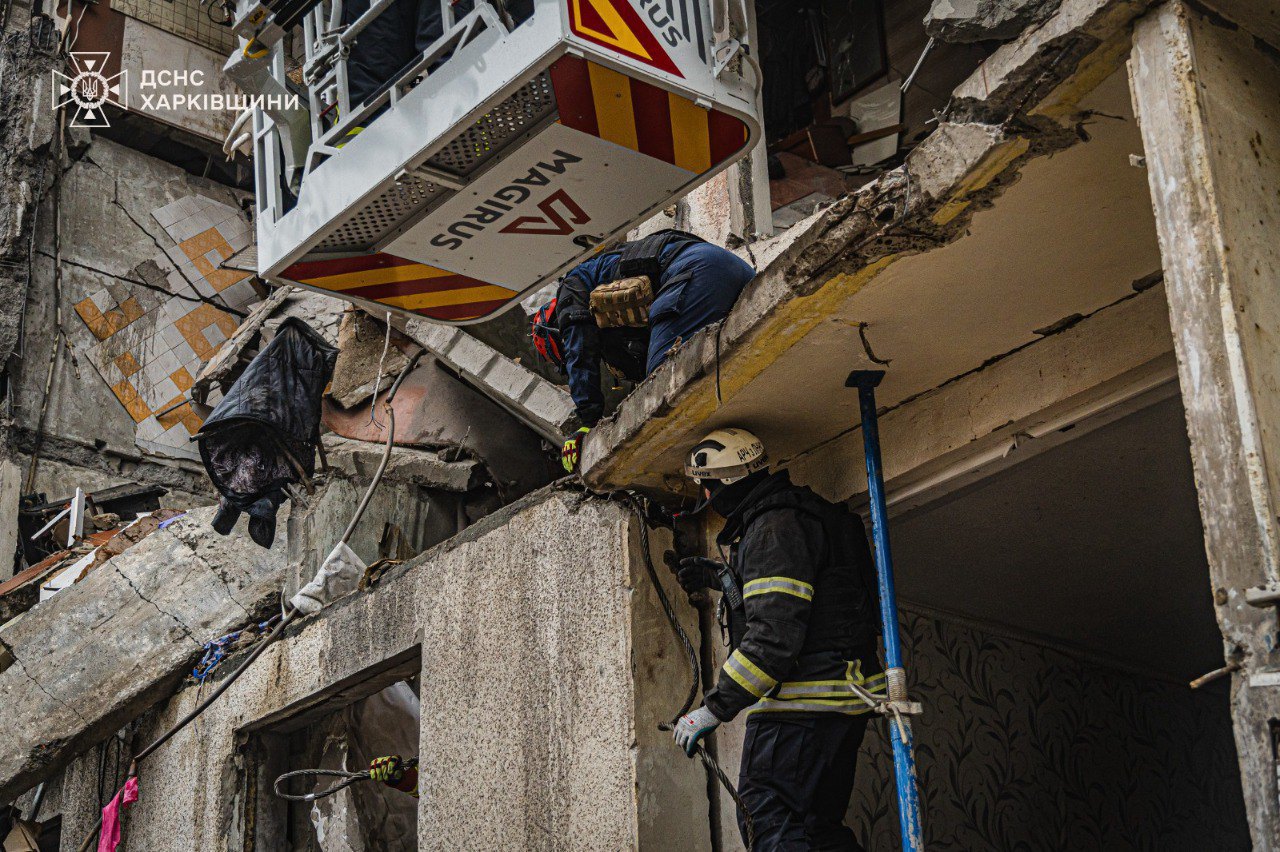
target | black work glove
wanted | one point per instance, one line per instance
(694, 573)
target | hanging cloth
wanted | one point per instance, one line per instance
(109, 836)
(262, 435)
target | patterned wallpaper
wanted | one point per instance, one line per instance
(1026, 748)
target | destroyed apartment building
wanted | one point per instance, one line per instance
(302, 469)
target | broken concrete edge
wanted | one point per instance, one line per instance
(544, 407)
(967, 21)
(359, 460)
(1030, 86)
(71, 723)
(565, 488)
(173, 474)
(228, 355)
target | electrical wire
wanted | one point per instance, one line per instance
(377, 383)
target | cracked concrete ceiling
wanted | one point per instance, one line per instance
(1070, 237)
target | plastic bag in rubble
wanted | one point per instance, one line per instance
(261, 437)
(338, 576)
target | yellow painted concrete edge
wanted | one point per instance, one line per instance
(792, 320)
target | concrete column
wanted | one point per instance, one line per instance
(751, 215)
(1207, 93)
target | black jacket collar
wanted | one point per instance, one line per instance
(759, 498)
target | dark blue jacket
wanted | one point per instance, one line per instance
(698, 287)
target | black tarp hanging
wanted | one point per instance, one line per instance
(262, 436)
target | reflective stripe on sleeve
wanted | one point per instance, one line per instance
(782, 585)
(748, 675)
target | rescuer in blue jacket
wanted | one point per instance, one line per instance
(693, 284)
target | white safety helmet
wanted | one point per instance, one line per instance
(726, 455)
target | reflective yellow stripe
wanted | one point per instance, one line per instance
(385, 275)
(690, 134)
(748, 675)
(825, 696)
(829, 688)
(784, 585)
(441, 298)
(813, 705)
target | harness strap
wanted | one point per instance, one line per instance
(644, 256)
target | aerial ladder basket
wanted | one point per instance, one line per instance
(507, 153)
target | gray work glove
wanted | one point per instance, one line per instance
(692, 727)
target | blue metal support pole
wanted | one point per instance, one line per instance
(904, 762)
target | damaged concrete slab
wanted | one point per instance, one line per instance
(582, 663)
(963, 21)
(876, 274)
(545, 407)
(104, 650)
(360, 459)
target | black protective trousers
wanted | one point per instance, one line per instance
(796, 779)
(391, 42)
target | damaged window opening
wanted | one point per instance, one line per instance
(347, 733)
(837, 108)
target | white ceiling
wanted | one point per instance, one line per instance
(1070, 236)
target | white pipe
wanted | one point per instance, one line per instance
(237, 126)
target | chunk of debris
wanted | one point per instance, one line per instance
(111, 646)
(363, 367)
(966, 21)
(436, 411)
(59, 570)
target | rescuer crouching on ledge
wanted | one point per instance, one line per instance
(629, 307)
(801, 597)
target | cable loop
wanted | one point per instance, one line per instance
(349, 778)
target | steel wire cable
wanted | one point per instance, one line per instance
(349, 778)
(709, 762)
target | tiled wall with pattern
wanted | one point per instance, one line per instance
(151, 345)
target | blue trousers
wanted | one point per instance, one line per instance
(701, 286)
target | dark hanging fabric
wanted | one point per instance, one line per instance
(262, 436)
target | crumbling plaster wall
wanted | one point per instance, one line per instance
(26, 136)
(1206, 91)
(546, 667)
(106, 231)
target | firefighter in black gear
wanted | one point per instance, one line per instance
(805, 630)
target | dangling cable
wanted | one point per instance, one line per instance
(633, 503)
(349, 778)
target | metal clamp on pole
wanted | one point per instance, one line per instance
(904, 763)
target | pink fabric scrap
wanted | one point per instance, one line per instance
(109, 836)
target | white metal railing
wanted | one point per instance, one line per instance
(325, 73)
(331, 116)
